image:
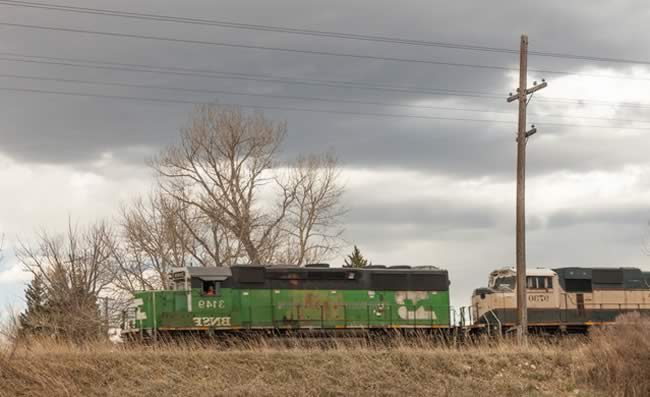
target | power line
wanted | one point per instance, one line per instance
(313, 52)
(236, 76)
(226, 92)
(246, 26)
(283, 80)
(291, 97)
(249, 46)
(324, 53)
(589, 75)
(309, 32)
(294, 109)
(165, 100)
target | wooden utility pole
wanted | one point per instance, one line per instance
(522, 138)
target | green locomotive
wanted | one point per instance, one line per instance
(314, 297)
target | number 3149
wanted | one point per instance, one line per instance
(210, 304)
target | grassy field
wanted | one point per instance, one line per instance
(615, 361)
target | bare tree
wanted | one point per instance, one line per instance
(207, 242)
(223, 160)
(160, 232)
(312, 228)
(152, 241)
(235, 199)
(75, 268)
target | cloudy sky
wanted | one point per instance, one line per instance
(429, 182)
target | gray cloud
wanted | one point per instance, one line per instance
(68, 129)
(434, 214)
(612, 216)
(468, 238)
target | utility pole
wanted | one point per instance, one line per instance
(522, 138)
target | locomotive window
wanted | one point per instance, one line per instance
(208, 285)
(539, 282)
(505, 282)
(531, 282)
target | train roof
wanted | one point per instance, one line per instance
(201, 271)
(606, 277)
(538, 271)
(312, 277)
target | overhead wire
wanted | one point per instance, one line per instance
(299, 98)
(311, 110)
(249, 46)
(292, 50)
(320, 33)
(72, 62)
(285, 80)
(237, 76)
(166, 100)
(248, 26)
(227, 92)
(327, 53)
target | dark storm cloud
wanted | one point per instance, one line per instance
(49, 128)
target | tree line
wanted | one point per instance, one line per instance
(222, 195)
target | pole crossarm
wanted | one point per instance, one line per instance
(536, 88)
(528, 91)
(530, 132)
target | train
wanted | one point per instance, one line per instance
(563, 299)
(314, 297)
(320, 298)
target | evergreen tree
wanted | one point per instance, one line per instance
(33, 319)
(356, 259)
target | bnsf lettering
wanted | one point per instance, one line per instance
(211, 321)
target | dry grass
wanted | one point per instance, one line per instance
(405, 369)
(618, 357)
(614, 362)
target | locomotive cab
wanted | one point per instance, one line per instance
(496, 305)
(199, 279)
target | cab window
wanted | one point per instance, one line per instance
(539, 282)
(505, 282)
(210, 288)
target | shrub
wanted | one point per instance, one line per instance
(618, 358)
